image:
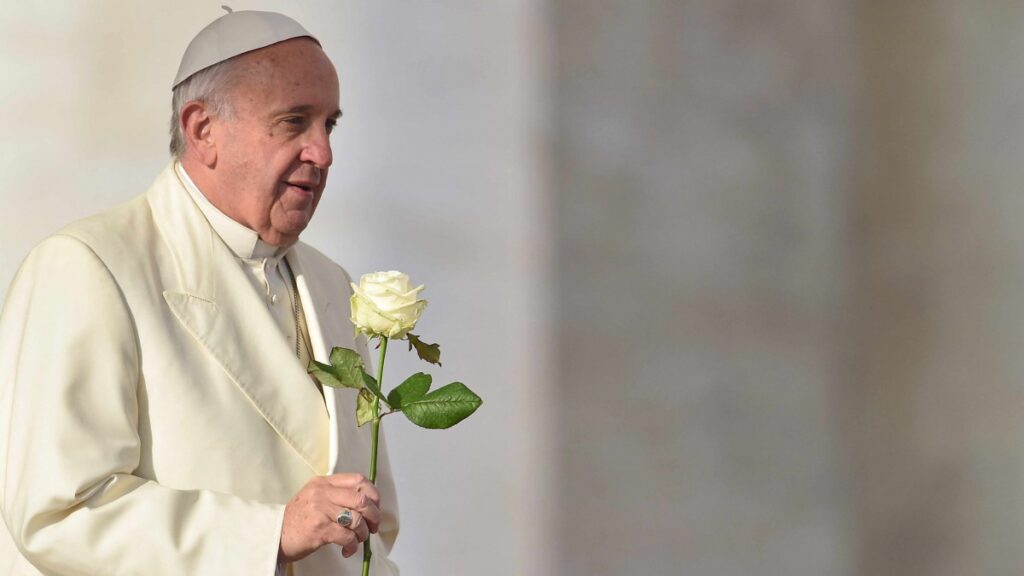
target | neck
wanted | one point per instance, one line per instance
(205, 179)
(210, 186)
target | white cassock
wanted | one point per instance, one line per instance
(154, 415)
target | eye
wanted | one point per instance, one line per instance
(295, 120)
(331, 125)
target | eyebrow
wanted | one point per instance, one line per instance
(306, 108)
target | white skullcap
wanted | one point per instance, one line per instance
(236, 33)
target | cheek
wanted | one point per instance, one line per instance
(246, 148)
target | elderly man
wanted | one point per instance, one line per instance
(155, 412)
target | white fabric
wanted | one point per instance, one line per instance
(152, 419)
(263, 263)
(233, 34)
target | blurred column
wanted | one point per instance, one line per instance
(937, 381)
(700, 166)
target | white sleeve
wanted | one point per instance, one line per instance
(69, 441)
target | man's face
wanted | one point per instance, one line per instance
(274, 150)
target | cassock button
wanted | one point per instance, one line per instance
(273, 299)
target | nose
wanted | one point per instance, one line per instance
(317, 149)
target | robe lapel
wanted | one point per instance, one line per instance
(216, 303)
(322, 302)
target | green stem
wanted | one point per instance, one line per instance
(375, 435)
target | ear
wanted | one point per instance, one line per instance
(197, 127)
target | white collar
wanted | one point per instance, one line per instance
(243, 241)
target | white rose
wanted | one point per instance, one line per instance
(383, 304)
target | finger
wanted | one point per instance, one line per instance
(346, 479)
(361, 530)
(342, 537)
(370, 491)
(356, 523)
(371, 514)
(345, 498)
(356, 482)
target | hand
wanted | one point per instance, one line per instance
(310, 518)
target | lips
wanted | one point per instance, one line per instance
(304, 186)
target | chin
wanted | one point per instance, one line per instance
(291, 223)
(288, 236)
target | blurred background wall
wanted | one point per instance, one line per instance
(740, 281)
(933, 390)
(701, 168)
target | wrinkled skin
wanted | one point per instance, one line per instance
(265, 163)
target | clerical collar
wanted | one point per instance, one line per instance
(243, 241)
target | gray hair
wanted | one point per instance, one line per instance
(210, 86)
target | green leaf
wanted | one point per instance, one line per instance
(364, 407)
(414, 388)
(427, 352)
(324, 374)
(337, 374)
(371, 383)
(442, 408)
(345, 368)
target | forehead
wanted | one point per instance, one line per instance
(291, 73)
